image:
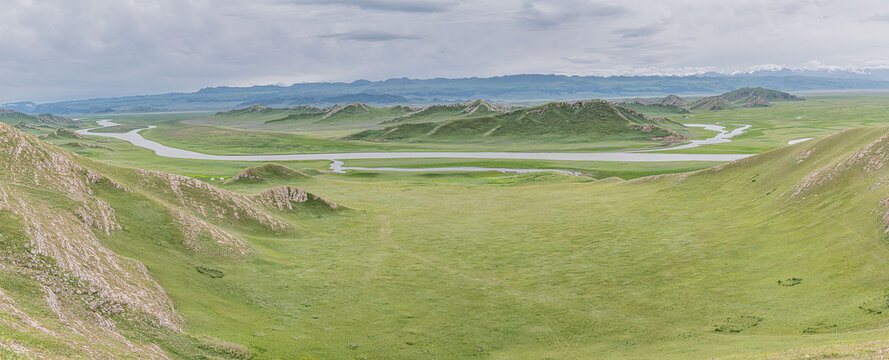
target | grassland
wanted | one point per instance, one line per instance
(500, 266)
(429, 267)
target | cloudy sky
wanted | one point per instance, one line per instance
(64, 49)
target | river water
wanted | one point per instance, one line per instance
(136, 139)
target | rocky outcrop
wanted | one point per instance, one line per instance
(67, 235)
(285, 197)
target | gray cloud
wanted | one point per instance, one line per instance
(884, 17)
(639, 32)
(409, 6)
(544, 14)
(370, 35)
(60, 49)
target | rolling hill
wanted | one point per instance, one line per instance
(441, 112)
(653, 109)
(744, 97)
(72, 229)
(582, 120)
(12, 117)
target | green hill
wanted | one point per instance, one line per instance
(356, 113)
(711, 103)
(94, 256)
(583, 120)
(654, 109)
(672, 100)
(744, 97)
(267, 173)
(748, 95)
(12, 117)
(442, 112)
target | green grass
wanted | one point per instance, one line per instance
(595, 169)
(460, 265)
(772, 127)
(654, 110)
(645, 269)
(553, 122)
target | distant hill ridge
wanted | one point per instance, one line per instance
(439, 111)
(582, 120)
(744, 97)
(529, 87)
(13, 117)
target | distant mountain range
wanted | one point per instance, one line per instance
(512, 88)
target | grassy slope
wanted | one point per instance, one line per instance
(654, 110)
(304, 119)
(586, 121)
(15, 118)
(443, 112)
(645, 269)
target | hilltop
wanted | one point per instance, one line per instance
(751, 95)
(582, 120)
(441, 112)
(670, 105)
(744, 97)
(267, 173)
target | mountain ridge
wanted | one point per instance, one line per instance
(528, 87)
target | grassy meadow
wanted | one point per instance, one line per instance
(780, 255)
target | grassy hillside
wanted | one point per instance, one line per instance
(353, 115)
(442, 112)
(748, 95)
(744, 97)
(11, 117)
(583, 120)
(711, 103)
(95, 256)
(654, 109)
(349, 117)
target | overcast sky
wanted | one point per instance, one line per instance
(65, 49)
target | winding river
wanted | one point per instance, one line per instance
(136, 139)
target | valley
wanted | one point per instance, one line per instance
(765, 250)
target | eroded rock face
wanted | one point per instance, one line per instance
(869, 158)
(49, 193)
(67, 236)
(283, 197)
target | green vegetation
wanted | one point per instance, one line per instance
(442, 112)
(745, 97)
(748, 95)
(587, 121)
(267, 173)
(654, 109)
(701, 264)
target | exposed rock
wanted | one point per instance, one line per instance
(871, 157)
(283, 197)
